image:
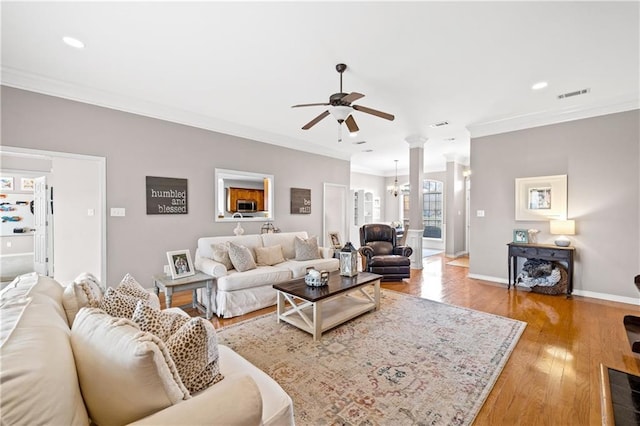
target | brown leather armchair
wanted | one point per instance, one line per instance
(378, 247)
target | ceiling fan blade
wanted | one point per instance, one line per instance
(351, 124)
(373, 112)
(306, 105)
(351, 97)
(315, 120)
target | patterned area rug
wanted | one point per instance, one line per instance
(415, 361)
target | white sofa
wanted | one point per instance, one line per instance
(237, 293)
(40, 385)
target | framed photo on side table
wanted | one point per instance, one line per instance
(520, 236)
(334, 240)
(180, 264)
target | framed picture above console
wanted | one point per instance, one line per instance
(541, 198)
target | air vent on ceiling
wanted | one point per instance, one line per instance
(449, 139)
(575, 93)
(359, 142)
(367, 150)
(440, 124)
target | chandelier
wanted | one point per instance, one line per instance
(394, 190)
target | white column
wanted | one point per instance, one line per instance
(416, 177)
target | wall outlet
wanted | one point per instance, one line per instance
(117, 211)
(480, 213)
(91, 212)
(8, 243)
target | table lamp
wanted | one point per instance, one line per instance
(562, 228)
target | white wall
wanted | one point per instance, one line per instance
(77, 235)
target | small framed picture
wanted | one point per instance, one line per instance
(180, 263)
(520, 236)
(6, 183)
(26, 184)
(334, 240)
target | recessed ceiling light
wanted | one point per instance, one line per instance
(539, 85)
(73, 42)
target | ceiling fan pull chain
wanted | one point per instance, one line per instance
(339, 132)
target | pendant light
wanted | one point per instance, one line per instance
(394, 190)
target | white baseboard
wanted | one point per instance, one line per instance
(583, 293)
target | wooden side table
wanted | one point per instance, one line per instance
(541, 251)
(165, 283)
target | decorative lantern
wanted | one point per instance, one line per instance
(268, 228)
(348, 260)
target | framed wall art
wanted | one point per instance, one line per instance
(541, 198)
(180, 263)
(6, 183)
(300, 201)
(334, 239)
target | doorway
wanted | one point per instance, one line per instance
(77, 222)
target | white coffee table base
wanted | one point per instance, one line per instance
(316, 318)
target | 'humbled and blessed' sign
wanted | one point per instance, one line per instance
(166, 195)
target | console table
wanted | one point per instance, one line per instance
(544, 252)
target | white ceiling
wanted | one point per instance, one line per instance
(238, 67)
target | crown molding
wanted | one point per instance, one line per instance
(544, 118)
(11, 77)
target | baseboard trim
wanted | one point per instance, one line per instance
(583, 293)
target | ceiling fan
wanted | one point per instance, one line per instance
(340, 107)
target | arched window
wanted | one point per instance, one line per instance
(432, 208)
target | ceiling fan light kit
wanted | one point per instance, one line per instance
(339, 106)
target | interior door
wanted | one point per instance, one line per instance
(41, 221)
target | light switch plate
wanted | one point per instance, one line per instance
(480, 213)
(117, 211)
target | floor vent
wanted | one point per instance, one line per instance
(576, 93)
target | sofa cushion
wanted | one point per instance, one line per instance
(84, 291)
(269, 256)
(306, 249)
(221, 254)
(130, 286)
(205, 243)
(124, 373)
(299, 267)
(263, 275)
(285, 239)
(194, 349)
(161, 323)
(38, 371)
(241, 257)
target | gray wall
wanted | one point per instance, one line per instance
(135, 146)
(600, 156)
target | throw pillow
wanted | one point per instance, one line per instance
(124, 374)
(130, 286)
(161, 323)
(118, 304)
(221, 254)
(194, 349)
(241, 258)
(267, 256)
(306, 249)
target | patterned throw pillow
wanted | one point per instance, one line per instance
(267, 256)
(118, 304)
(306, 249)
(130, 286)
(221, 254)
(241, 258)
(194, 349)
(161, 323)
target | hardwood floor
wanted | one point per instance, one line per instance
(551, 377)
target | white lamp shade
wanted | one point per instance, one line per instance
(562, 227)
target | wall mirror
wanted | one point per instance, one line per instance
(243, 196)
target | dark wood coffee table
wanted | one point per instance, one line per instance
(318, 309)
